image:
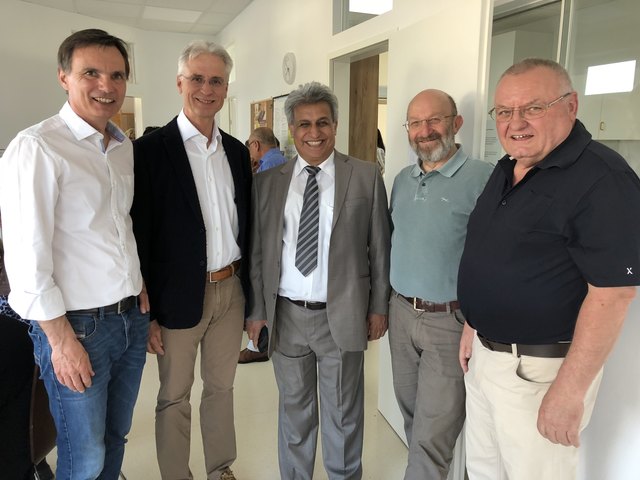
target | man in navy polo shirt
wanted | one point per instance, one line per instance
(550, 265)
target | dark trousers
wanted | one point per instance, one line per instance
(16, 375)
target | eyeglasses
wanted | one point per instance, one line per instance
(528, 112)
(415, 125)
(199, 81)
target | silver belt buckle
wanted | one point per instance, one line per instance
(416, 308)
(122, 305)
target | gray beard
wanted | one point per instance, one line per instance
(439, 152)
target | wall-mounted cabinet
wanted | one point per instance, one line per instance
(613, 116)
(606, 32)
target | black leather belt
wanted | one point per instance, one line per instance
(118, 307)
(426, 306)
(307, 304)
(551, 350)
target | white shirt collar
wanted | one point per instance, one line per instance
(328, 166)
(81, 129)
(189, 131)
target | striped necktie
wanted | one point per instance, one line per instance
(307, 246)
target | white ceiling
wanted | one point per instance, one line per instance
(204, 17)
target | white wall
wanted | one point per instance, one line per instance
(415, 64)
(261, 35)
(611, 442)
(29, 40)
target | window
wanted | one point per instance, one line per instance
(348, 13)
(590, 38)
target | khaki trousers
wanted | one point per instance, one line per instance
(218, 334)
(504, 393)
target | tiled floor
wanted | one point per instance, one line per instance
(256, 404)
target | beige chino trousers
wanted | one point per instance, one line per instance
(504, 393)
(218, 335)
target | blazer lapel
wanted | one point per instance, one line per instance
(279, 192)
(343, 176)
(178, 158)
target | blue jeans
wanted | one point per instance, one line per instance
(92, 426)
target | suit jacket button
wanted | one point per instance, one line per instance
(202, 263)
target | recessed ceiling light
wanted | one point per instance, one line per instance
(170, 14)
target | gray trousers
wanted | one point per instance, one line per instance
(429, 385)
(306, 362)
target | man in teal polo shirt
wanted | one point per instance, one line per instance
(430, 204)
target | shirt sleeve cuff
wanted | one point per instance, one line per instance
(44, 306)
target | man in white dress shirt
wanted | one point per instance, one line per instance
(66, 188)
(323, 294)
(190, 216)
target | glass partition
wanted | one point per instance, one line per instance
(599, 43)
(519, 33)
(604, 55)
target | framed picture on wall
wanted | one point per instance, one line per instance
(262, 114)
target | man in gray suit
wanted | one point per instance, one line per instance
(320, 277)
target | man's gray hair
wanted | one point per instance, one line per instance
(310, 93)
(531, 63)
(197, 48)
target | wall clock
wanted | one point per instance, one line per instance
(289, 67)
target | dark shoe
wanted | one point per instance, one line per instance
(247, 356)
(42, 471)
(227, 474)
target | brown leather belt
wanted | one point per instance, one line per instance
(307, 304)
(223, 273)
(118, 307)
(551, 350)
(432, 307)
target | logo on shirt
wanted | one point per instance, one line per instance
(629, 272)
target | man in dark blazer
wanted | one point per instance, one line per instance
(321, 309)
(191, 214)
